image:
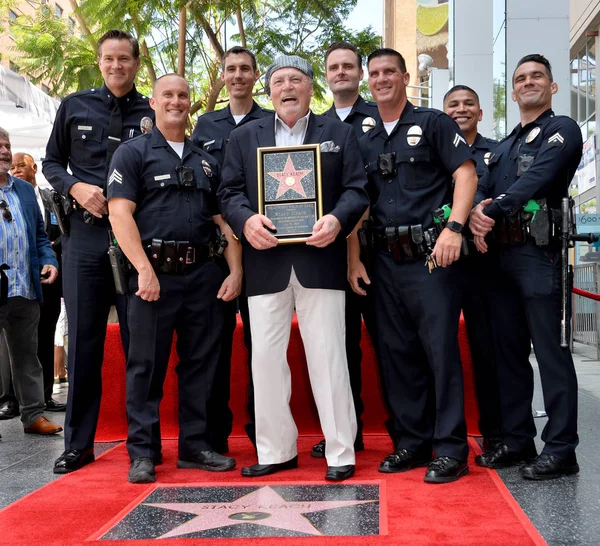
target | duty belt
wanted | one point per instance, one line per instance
(405, 243)
(543, 226)
(174, 256)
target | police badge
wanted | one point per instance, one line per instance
(207, 170)
(413, 137)
(532, 134)
(368, 124)
(146, 125)
(487, 157)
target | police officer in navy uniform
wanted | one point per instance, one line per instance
(411, 157)
(462, 104)
(343, 71)
(88, 124)
(240, 73)
(164, 213)
(536, 161)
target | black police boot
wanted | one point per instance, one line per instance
(549, 467)
(503, 456)
(142, 471)
(445, 470)
(207, 460)
(404, 460)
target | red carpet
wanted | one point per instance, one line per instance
(476, 510)
(113, 424)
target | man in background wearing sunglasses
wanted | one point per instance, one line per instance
(25, 248)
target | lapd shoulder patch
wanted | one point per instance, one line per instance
(115, 176)
(556, 140)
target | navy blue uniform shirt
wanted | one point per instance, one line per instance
(213, 128)
(361, 111)
(144, 170)
(533, 162)
(79, 136)
(429, 147)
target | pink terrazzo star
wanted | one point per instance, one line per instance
(290, 179)
(261, 507)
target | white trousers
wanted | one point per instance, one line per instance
(322, 327)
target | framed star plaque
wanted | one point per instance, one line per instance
(289, 189)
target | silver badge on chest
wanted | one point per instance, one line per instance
(532, 135)
(487, 157)
(368, 124)
(413, 137)
(146, 125)
(207, 169)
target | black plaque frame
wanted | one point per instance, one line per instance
(307, 209)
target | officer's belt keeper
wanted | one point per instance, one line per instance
(173, 256)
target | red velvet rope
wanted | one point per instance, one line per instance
(586, 294)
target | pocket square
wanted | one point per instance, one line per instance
(329, 146)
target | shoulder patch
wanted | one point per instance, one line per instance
(556, 140)
(115, 176)
(458, 139)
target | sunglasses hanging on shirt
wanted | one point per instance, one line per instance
(6, 214)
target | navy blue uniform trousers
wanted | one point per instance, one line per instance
(526, 298)
(187, 305)
(89, 292)
(417, 319)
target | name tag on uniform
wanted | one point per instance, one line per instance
(84, 127)
(162, 177)
(209, 143)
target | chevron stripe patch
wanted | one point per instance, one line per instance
(458, 139)
(115, 176)
(556, 140)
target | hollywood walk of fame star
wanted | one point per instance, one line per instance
(263, 506)
(290, 179)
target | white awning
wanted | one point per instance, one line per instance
(26, 112)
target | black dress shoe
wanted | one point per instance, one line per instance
(503, 456)
(142, 471)
(404, 460)
(257, 470)
(207, 460)
(73, 459)
(445, 470)
(339, 473)
(53, 405)
(9, 410)
(318, 450)
(549, 467)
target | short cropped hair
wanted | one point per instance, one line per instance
(116, 34)
(461, 88)
(237, 50)
(535, 58)
(4, 134)
(388, 51)
(343, 45)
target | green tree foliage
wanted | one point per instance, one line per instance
(197, 31)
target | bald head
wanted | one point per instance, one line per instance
(24, 167)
